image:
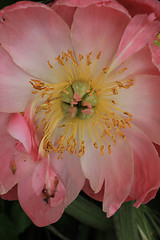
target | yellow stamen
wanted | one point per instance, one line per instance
(106, 122)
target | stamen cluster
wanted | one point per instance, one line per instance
(80, 104)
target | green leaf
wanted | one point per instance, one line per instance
(136, 223)
(126, 223)
(89, 214)
(144, 226)
(56, 232)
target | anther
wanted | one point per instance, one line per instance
(109, 149)
(102, 149)
(121, 71)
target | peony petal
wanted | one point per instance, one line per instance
(19, 130)
(14, 165)
(155, 50)
(115, 170)
(86, 3)
(150, 195)
(65, 12)
(69, 170)
(138, 63)
(138, 33)
(101, 29)
(15, 89)
(41, 209)
(34, 34)
(11, 194)
(78, 3)
(146, 166)
(141, 6)
(88, 190)
(142, 100)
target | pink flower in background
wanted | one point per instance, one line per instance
(79, 103)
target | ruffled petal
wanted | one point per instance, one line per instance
(96, 29)
(142, 100)
(138, 33)
(81, 3)
(115, 170)
(15, 89)
(14, 165)
(146, 166)
(34, 34)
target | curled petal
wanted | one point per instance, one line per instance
(138, 33)
(14, 164)
(46, 206)
(19, 130)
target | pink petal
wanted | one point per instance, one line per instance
(15, 89)
(42, 210)
(142, 100)
(34, 34)
(155, 53)
(138, 33)
(14, 165)
(77, 3)
(86, 3)
(38, 176)
(146, 166)
(88, 190)
(115, 170)
(150, 195)
(138, 63)
(69, 170)
(11, 194)
(19, 130)
(94, 28)
(65, 12)
(141, 6)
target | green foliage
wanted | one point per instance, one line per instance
(137, 224)
(89, 213)
(83, 220)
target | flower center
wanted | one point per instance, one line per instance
(78, 100)
(79, 106)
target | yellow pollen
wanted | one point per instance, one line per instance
(77, 113)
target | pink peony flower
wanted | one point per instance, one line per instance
(79, 103)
